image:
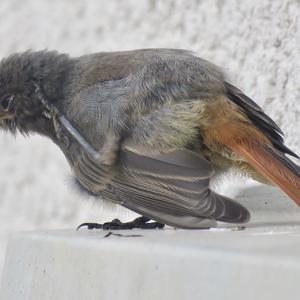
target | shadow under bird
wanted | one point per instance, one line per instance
(147, 129)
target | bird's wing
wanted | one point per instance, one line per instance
(173, 189)
(257, 116)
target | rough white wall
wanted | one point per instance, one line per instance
(255, 41)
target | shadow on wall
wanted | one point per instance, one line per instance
(268, 206)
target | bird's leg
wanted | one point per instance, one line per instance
(116, 224)
(60, 132)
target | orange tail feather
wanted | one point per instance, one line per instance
(250, 144)
(270, 167)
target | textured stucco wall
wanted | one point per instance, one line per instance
(256, 41)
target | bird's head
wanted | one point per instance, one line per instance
(17, 95)
(20, 106)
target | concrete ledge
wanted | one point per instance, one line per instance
(256, 263)
(260, 262)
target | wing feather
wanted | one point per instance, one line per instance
(172, 188)
(259, 118)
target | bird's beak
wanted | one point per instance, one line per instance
(7, 108)
(5, 115)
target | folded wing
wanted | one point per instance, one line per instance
(173, 189)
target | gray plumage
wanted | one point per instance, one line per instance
(144, 111)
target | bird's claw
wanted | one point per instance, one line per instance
(90, 226)
(116, 224)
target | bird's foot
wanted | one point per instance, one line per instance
(116, 224)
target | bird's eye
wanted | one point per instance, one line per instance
(6, 102)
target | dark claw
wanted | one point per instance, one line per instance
(116, 224)
(90, 226)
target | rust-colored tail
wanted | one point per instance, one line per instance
(245, 140)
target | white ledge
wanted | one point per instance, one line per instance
(260, 262)
(256, 263)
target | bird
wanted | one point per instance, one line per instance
(147, 129)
